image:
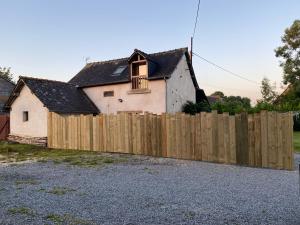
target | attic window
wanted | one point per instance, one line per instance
(25, 116)
(118, 71)
(108, 93)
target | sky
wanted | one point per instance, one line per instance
(52, 38)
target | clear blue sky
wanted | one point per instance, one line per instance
(50, 39)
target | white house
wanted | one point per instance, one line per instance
(157, 83)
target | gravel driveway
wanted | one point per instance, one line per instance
(147, 191)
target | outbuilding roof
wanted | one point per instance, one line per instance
(57, 96)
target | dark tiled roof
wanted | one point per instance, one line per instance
(214, 99)
(100, 73)
(57, 96)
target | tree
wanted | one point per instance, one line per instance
(218, 93)
(289, 52)
(232, 104)
(6, 74)
(268, 91)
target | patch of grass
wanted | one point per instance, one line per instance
(66, 219)
(12, 152)
(150, 171)
(297, 141)
(21, 210)
(27, 182)
(41, 189)
(55, 218)
(189, 215)
(60, 190)
(108, 160)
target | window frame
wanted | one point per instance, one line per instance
(25, 116)
(108, 94)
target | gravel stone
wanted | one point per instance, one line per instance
(149, 191)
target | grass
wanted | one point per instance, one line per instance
(27, 182)
(60, 190)
(11, 153)
(21, 210)
(55, 218)
(297, 141)
(66, 219)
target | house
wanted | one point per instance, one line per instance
(286, 91)
(6, 88)
(214, 98)
(158, 83)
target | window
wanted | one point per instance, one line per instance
(139, 69)
(119, 70)
(108, 93)
(25, 116)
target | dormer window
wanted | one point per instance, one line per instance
(139, 72)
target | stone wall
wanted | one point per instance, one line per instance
(40, 141)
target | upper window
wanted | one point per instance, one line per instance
(25, 116)
(108, 93)
(119, 70)
(139, 69)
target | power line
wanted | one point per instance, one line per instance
(226, 88)
(196, 21)
(226, 70)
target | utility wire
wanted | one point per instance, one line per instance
(196, 21)
(226, 70)
(226, 88)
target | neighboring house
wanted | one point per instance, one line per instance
(158, 83)
(286, 91)
(6, 88)
(214, 98)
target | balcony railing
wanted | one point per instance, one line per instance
(139, 82)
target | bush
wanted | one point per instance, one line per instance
(193, 108)
(296, 119)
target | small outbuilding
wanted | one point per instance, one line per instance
(33, 98)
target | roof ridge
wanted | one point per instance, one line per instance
(125, 58)
(43, 79)
(168, 51)
(106, 61)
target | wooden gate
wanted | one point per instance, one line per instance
(4, 126)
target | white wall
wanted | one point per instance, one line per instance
(154, 102)
(180, 87)
(36, 126)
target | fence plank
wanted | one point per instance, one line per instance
(290, 152)
(257, 140)
(251, 140)
(272, 139)
(198, 152)
(226, 137)
(232, 138)
(220, 154)
(264, 138)
(204, 136)
(215, 137)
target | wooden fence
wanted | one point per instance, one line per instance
(4, 126)
(264, 139)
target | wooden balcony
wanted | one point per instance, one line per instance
(139, 82)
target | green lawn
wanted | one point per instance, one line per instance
(11, 153)
(297, 141)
